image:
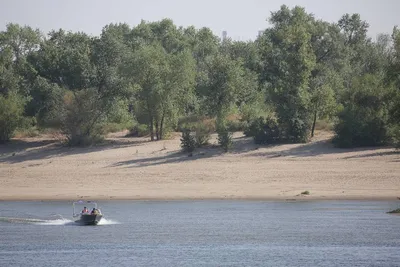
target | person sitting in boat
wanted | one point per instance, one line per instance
(95, 211)
(85, 210)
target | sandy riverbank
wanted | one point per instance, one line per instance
(133, 168)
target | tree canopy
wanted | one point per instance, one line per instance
(159, 76)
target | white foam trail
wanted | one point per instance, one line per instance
(63, 221)
(20, 220)
(55, 222)
(105, 221)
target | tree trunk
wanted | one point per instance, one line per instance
(157, 130)
(151, 129)
(162, 126)
(151, 120)
(314, 121)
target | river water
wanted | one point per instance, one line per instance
(202, 233)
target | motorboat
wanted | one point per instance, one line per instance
(87, 216)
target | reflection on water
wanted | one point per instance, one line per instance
(202, 233)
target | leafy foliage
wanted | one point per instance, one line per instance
(147, 78)
(11, 115)
(289, 61)
(139, 130)
(225, 139)
(202, 134)
(365, 119)
(163, 82)
(264, 131)
(395, 135)
(188, 142)
(82, 115)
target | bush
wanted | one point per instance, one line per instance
(202, 130)
(112, 127)
(119, 113)
(188, 122)
(139, 130)
(252, 127)
(225, 139)
(188, 142)
(397, 211)
(83, 114)
(27, 132)
(264, 131)
(11, 115)
(84, 139)
(365, 119)
(235, 126)
(202, 134)
(192, 122)
(298, 131)
(395, 136)
(359, 127)
(324, 125)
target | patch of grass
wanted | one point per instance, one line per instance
(305, 193)
(50, 131)
(112, 127)
(397, 211)
(323, 125)
(28, 132)
(234, 123)
(84, 140)
(139, 130)
(236, 126)
(192, 122)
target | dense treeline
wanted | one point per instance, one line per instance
(157, 77)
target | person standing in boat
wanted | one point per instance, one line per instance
(95, 211)
(85, 210)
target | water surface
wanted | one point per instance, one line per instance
(202, 233)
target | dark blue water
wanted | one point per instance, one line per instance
(203, 233)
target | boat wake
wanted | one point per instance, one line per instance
(53, 222)
(105, 221)
(19, 220)
(56, 222)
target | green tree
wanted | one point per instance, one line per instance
(288, 60)
(227, 84)
(163, 82)
(45, 100)
(225, 139)
(328, 45)
(323, 102)
(354, 29)
(81, 114)
(393, 77)
(86, 68)
(11, 115)
(364, 120)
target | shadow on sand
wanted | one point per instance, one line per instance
(243, 145)
(240, 145)
(20, 150)
(324, 147)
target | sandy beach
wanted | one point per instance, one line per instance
(134, 168)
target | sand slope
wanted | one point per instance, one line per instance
(133, 168)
